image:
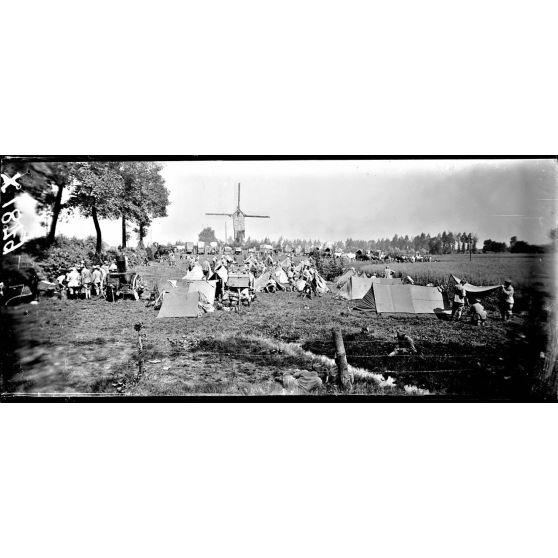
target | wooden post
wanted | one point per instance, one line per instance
(344, 377)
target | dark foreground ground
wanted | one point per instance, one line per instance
(90, 347)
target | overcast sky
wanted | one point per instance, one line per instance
(334, 200)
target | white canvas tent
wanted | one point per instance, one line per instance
(355, 287)
(207, 288)
(280, 276)
(402, 299)
(195, 274)
(261, 281)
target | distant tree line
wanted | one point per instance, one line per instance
(515, 247)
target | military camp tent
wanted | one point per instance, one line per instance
(357, 287)
(222, 273)
(179, 303)
(406, 299)
(340, 281)
(207, 288)
(280, 276)
(321, 286)
(475, 291)
(286, 263)
(195, 274)
(261, 281)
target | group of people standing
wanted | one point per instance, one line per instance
(476, 309)
(84, 281)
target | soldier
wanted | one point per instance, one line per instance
(86, 281)
(405, 345)
(478, 313)
(459, 299)
(97, 280)
(506, 300)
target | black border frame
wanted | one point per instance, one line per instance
(31, 398)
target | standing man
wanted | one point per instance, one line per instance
(206, 269)
(459, 298)
(86, 281)
(506, 300)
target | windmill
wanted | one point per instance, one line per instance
(238, 218)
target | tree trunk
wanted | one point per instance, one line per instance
(123, 231)
(55, 214)
(141, 234)
(99, 246)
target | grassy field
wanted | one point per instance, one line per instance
(78, 346)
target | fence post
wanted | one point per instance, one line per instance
(344, 378)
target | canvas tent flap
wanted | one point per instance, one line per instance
(286, 263)
(368, 303)
(407, 299)
(321, 286)
(222, 273)
(281, 276)
(261, 281)
(206, 288)
(480, 291)
(340, 281)
(355, 288)
(195, 274)
(179, 303)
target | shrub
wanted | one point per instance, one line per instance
(328, 268)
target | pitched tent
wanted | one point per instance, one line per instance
(261, 281)
(179, 303)
(355, 288)
(222, 273)
(280, 276)
(406, 299)
(207, 288)
(476, 291)
(286, 263)
(195, 274)
(340, 281)
(321, 285)
(367, 303)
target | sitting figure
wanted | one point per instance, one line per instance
(270, 286)
(478, 313)
(405, 345)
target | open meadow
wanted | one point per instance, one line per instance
(91, 346)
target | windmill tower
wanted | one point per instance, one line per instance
(238, 218)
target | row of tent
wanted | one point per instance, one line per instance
(380, 295)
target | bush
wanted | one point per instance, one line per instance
(61, 255)
(328, 268)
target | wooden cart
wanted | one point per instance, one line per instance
(238, 282)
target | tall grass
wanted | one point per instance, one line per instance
(525, 271)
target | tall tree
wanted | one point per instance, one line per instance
(207, 235)
(97, 191)
(145, 196)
